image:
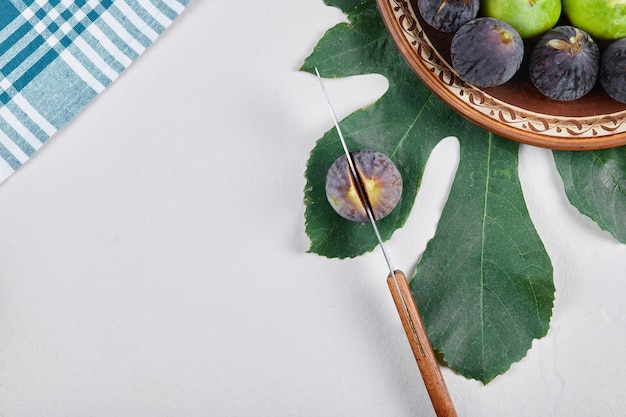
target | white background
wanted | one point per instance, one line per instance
(153, 256)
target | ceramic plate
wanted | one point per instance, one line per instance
(515, 110)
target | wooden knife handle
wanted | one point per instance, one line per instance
(422, 350)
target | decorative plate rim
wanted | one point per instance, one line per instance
(491, 113)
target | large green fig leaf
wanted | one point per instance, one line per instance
(405, 124)
(484, 284)
(498, 289)
(595, 183)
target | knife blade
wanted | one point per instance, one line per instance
(401, 294)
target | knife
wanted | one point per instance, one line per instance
(402, 297)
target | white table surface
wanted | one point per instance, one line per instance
(153, 256)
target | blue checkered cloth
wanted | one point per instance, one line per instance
(58, 55)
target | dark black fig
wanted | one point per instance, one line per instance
(486, 52)
(613, 70)
(564, 63)
(448, 15)
(381, 181)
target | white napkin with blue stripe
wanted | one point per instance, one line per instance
(58, 55)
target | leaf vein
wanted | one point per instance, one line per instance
(411, 126)
(482, 255)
